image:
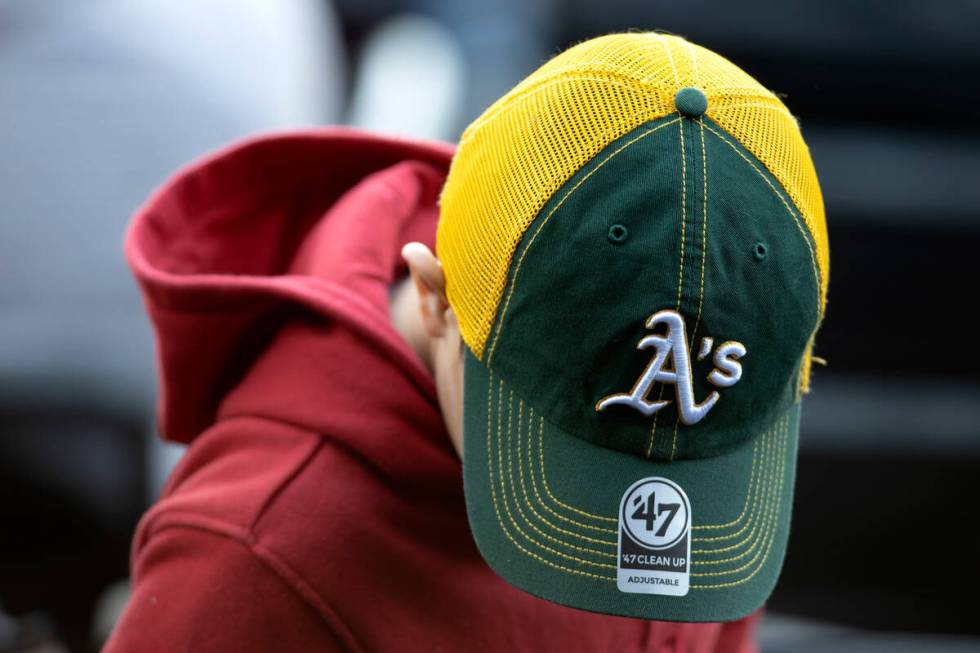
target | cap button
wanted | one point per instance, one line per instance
(691, 102)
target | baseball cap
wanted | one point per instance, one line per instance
(634, 246)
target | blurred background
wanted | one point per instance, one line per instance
(100, 100)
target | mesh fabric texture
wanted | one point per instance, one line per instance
(526, 145)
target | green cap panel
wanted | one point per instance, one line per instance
(675, 215)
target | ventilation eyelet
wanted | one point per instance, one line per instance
(618, 234)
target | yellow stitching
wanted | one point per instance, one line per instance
(694, 62)
(759, 504)
(771, 501)
(792, 213)
(745, 579)
(517, 503)
(680, 274)
(767, 464)
(720, 105)
(611, 77)
(767, 532)
(755, 482)
(547, 488)
(755, 542)
(653, 429)
(496, 509)
(520, 260)
(610, 578)
(670, 57)
(771, 509)
(673, 442)
(559, 515)
(704, 212)
(745, 502)
(680, 282)
(770, 527)
(704, 233)
(544, 477)
(510, 516)
(736, 583)
(772, 538)
(541, 464)
(813, 262)
(771, 520)
(527, 497)
(763, 523)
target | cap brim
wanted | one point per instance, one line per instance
(543, 508)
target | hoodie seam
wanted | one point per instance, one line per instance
(176, 520)
(285, 483)
(324, 441)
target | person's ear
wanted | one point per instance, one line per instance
(430, 285)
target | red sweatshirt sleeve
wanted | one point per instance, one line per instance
(198, 591)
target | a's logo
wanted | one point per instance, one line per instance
(673, 347)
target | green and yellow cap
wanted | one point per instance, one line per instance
(635, 248)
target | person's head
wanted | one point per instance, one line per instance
(632, 250)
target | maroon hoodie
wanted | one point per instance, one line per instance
(319, 506)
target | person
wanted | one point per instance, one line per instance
(573, 427)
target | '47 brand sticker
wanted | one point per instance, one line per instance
(654, 539)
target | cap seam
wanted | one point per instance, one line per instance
(512, 283)
(762, 524)
(704, 254)
(680, 281)
(804, 228)
(670, 56)
(612, 77)
(500, 522)
(527, 499)
(772, 538)
(704, 235)
(692, 343)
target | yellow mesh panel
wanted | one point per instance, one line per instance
(514, 157)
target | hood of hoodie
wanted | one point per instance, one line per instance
(304, 229)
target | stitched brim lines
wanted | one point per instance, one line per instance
(572, 540)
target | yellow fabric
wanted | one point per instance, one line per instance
(515, 156)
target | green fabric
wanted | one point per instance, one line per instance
(531, 528)
(579, 305)
(691, 102)
(603, 255)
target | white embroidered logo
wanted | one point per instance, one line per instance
(726, 373)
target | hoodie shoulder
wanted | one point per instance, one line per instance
(229, 476)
